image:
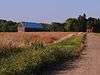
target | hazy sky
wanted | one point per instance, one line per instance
(47, 10)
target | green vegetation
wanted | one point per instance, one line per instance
(80, 24)
(31, 60)
(8, 26)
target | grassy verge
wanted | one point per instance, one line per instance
(28, 61)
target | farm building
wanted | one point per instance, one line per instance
(30, 27)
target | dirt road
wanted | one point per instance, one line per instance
(88, 64)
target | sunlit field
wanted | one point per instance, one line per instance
(31, 53)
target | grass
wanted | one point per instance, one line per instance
(16, 39)
(31, 60)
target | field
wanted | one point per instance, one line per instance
(20, 39)
(30, 60)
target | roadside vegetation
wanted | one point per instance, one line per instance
(32, 60)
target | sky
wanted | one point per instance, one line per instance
(47, 10)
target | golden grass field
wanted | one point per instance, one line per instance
(20, 38)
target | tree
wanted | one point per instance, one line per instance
(12, 26)
(72, 24)
(97, 27)
(55, 26)
(8, 26)
(92, 23)
(82, 23)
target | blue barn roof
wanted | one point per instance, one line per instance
(32, 25)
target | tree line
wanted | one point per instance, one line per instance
(8, 26)
(80, 24)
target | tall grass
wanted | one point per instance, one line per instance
(31, 60)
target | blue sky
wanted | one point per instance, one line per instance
(47, 10)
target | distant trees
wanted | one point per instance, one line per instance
(54, 27)
(71, 24)
(93, 23)
(57, 27)
(8, 26)
(80, 24)
(97, 27)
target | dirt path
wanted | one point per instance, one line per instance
(88, 64)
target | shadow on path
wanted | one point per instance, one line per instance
(67, 65)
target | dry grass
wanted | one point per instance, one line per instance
(10, 40)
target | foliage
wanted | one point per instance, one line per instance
(8, 26)
(72, 24)
(57, 27)
(80, 24)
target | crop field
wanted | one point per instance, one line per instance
(19, 39)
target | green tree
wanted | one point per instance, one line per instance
(82, 23)
(72, 24)
(55, 26)
(92, 23)
(8, 26)
(98, 25)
